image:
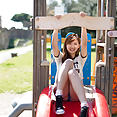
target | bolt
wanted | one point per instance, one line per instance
(110, 33)
(110, 49)
(109, 55)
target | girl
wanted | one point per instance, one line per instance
(68, 82)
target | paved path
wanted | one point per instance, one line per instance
(5, 55)
(6, 99)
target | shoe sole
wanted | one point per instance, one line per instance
(60, 112)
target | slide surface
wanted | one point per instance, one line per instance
(97, 108)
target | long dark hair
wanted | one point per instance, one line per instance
(68, 40)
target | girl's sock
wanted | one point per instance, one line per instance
(84, 103)
(59, 92)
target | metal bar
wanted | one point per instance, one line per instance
(19, 109)
(42, 49)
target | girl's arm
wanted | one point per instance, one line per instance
(84, 42)
(83, 37)
(55, 43)
(56, 52)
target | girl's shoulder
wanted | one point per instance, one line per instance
(59, 56)
(80, 58)
(77, 58)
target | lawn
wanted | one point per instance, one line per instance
(16, 74)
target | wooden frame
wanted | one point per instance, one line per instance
(74, 19)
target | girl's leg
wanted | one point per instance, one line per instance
(77, 87)
(73, 96)
(79, 90)
(63, 74)
(62, 86)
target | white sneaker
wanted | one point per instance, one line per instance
(60, 111)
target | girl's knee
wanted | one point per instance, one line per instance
(68, 63)
(73, 73)
(70, 72)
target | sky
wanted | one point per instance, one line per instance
(8, 8)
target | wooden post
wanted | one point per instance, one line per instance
(39, 10)
(97, 50)
(109, 55)
(105, 81)
(113, 14)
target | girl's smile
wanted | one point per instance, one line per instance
(73, 47)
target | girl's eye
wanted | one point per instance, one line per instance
(75, 43)
(68, 44)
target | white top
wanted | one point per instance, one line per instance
(78, 64)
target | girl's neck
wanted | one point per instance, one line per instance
(72, 56)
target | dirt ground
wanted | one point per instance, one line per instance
(6, 99)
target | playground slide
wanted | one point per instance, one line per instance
(97, 107)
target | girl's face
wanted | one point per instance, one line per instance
(73, 46)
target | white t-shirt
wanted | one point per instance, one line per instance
(78, 64)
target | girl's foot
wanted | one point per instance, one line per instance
(59, 105)
(84, 111)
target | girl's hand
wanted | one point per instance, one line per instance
(54, 88)
(56, 30)
(58, 16)
(83, 14)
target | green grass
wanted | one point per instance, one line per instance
(16, 74)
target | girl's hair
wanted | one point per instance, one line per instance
(68, 40)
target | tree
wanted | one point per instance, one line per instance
(88, 6)
(69, 5)
(50, 9)
(23, 18)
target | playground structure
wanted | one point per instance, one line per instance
(93, 40)
(104, 54)
(104, 51)
(104, 58)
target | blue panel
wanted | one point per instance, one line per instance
(87, 66)
(53, 63)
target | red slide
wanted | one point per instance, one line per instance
(97, 108)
